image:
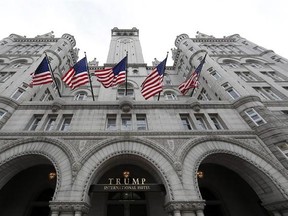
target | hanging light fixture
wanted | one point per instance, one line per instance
(200, 174)
(52, 175)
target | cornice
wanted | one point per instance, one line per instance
(74, 105)
(213, 40)
(104, 134)
(36, 39)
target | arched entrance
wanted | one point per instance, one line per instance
(29, 191)
(127, 190)
(226, 193)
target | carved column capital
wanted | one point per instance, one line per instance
(62, 206)
(185, 205)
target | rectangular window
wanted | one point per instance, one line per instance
(35, 122)
(283, 147)
(141, 122)
(66, 122)
(111, 122)
(217, 121)
(50, 125)
(201, 122)
(185, 121)
(46, 96)
(126, 122)
(17, 94)
(2, 113)
(272, 74)
(233, 93)
(215, 75)
(267, 93)
(255, 117)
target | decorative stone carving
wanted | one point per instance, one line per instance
(57, 104)
(69, 206)
(185, 205)
(125, 104)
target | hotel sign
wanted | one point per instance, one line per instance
(126, 184)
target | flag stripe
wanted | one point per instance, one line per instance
(153, 84)
(77, 75)
(42, 74)
(110, 77)
(192, 82)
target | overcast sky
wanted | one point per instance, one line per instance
(263, 22)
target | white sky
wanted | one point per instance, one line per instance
(263, 22)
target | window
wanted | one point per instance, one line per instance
(80, 96)
(50, 125)
(204, 96)
(111, 122)
(185, 121)
(255, 117)
(141, 122)
(233, 93)
(230, 90)
(126, 122)
(217, 122)
(200, 122)
(4, 76)
(17, 94)
(275, 76)
(66, 121)
(35, 122)
(167, 79)
(246, 76)
(283, 147)
(170, 96)
(256, 65)
(2, 113)
(267, 93)
(121, 91)
(46, 96)
(215, 75)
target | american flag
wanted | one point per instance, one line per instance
(153, 83)
(77, 75)
(42, 74)
(192, 82)
(112, 76)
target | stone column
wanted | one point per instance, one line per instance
(200, 212)
(68, 208)
(54, 213)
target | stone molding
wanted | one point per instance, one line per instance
(185, 205)
(69, 206)
(282, 205)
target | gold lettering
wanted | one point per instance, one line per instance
(110, 180)
(135, 181)
(118, 181)
(126, 181)
(143, 180)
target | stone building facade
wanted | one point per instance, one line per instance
(223, 151)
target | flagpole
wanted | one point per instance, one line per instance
(163, 75)
(52, 74)
(89, 78)
(198, 77)
(126, 79)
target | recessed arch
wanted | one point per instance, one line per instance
(261, 168)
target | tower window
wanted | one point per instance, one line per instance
(255, 117)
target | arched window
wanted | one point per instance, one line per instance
(170, 96)
(80, 96)
(121, 91)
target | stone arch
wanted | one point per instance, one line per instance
(148, 155)
(271, 182)
(25, 153)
